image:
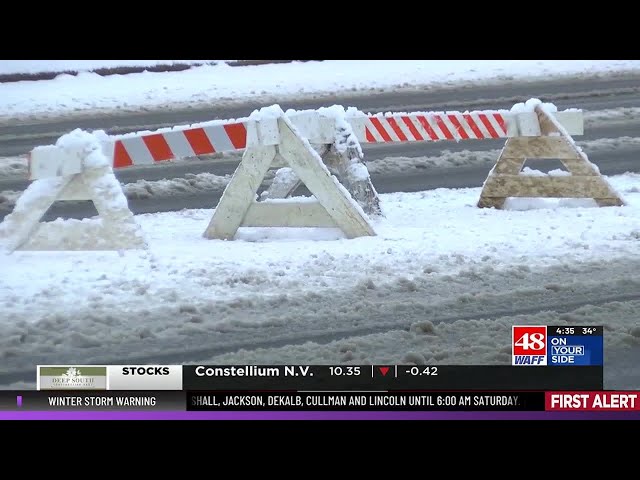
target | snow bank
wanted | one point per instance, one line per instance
(436, 258)
(421, 231)
(481, 341)
(202, 182)
(14, 167)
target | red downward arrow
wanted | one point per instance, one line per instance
(384, 370)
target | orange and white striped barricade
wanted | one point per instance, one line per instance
(531, 131)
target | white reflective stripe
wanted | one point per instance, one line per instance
(432, 121)
(502, 132)
(219, 139)
(405, 129)
(179, 144)
(480, 124)
(137, 150)
(421, 130)
(389, 129)
(374, 132)
(463, 125)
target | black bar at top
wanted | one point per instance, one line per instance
(391, 377)
(571, 331)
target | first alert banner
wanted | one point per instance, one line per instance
(592, 401)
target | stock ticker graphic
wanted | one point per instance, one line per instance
(273, 390)
(535, 345)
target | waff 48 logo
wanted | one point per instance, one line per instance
(529, 345)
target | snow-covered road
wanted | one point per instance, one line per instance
(437, 258)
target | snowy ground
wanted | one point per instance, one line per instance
(437, 258)
(223, 84)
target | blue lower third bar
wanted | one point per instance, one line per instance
(575, 350)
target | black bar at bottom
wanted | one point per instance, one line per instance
(423, 401)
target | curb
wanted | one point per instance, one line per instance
(104, 72)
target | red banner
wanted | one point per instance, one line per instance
(613, 401)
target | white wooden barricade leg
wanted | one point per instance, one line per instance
(81, 173)
(238, 207)
(343, 157)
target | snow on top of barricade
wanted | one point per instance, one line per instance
(88, 145)
(179, 128)
(345, 137)
(330, 111)
(531, 104)
(270, 112)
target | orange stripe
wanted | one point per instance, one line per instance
(158, 147)
(500, 119)
(443, 127)
(369, 136)
(121, 157)
(487, 124)
(397, 129)
(472, 123)
(237, 133)
(425, 124)
(199, 141)
(459, 128)
(412, 128)
(378, 126)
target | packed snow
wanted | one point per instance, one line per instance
(14, 167)
(223, 84)
(480, 341)
(435, 255)
(624, 115)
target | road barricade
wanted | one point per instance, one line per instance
(321, 149)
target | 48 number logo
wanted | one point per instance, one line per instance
(529, 340)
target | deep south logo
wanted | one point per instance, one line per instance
(76, 378)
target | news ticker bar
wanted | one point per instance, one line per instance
(243, 401)
(318, 377)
